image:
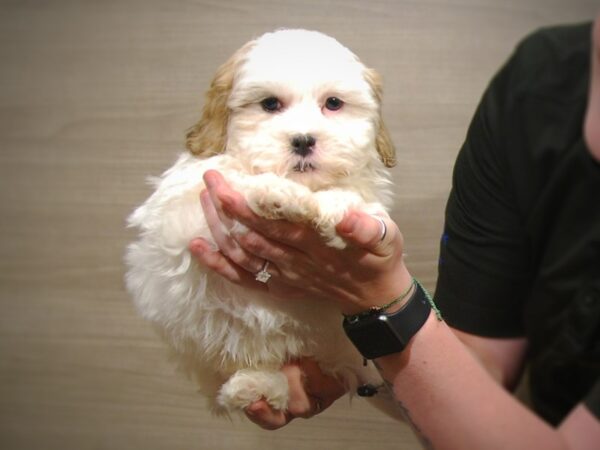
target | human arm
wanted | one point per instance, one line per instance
(453, 402)
(503, 358)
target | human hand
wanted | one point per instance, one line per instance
(311, 392)
(368, 272)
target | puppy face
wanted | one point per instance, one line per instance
(296, 103)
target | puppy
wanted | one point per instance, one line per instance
(293, 122)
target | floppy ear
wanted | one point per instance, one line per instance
(383, 141)
(209, 136)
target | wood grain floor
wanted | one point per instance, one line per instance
(95, 96)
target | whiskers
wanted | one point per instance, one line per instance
(304, 166)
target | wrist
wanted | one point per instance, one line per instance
(403, 299)
(388, 308)
(394, 287)
(378, 333)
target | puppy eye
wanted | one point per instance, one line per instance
(333, 103)
(271, 104)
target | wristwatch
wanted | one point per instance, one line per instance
(377, 334)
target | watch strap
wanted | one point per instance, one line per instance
(379, 334)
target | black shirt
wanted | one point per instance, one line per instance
(520, 253)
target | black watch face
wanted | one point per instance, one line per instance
(380, 334)
(374, 337)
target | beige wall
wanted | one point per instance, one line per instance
(95, 96)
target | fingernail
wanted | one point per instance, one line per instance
(196, 246)
(253, 410)
(210, 179)
(348, 224)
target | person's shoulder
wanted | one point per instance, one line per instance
(551, 58)
(556, 41)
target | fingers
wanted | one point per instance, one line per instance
(241, 251)
(217, 262)
(377, 234)
(214, 260)
(261, 413)
(301, 403)
(311, 392)
(279, 255)
(220, 226)
(324, 389)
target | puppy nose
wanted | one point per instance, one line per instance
(302, 144)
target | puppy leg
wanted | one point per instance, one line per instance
(273, 197)
(248, 385)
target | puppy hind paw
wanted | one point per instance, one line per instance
(247, 386)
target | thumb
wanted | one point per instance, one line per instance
(377, 234)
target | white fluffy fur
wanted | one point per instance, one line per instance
(232, 340)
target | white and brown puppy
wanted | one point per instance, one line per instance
(293, 121)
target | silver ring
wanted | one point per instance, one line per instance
(383, 228)
(262, 275)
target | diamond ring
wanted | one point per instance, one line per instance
(262, 275)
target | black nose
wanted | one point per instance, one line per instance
(302, 144)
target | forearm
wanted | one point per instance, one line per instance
(453, 403)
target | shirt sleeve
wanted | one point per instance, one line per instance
(484, 253)
(592, 400)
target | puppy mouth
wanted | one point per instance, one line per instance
(304, 166)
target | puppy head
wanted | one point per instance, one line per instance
(296, 103)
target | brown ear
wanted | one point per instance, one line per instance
(383, 141)
(209, 136)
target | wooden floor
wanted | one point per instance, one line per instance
(95, 96)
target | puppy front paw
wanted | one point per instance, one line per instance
(247, 386)
(276, 198)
